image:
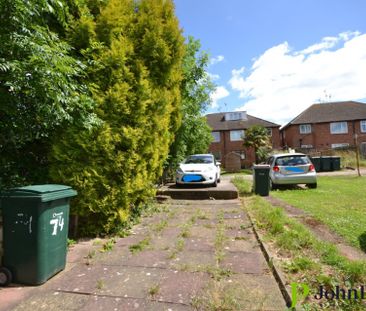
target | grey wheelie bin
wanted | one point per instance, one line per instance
(35, 231)
(261, 179)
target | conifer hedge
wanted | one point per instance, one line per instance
(133, 51)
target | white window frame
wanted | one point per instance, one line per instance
(342, 130)
(237, 135)
(216, 136)
(269, 131)
(307, 146)
(234, 116)
(305, 128)
(341, 145)
(363, 126)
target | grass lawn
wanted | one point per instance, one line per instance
(339, 202)
(300, 255)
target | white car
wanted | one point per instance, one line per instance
(198, 169)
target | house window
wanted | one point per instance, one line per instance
(269, 132)
(305, 128)
(338, 128)
(217, 155)
(306, 146)
(363, 126)
(340, 146)
(234, 116)
(216, 137)
(236, 135)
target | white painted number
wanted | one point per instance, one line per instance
(57, 221)
(54, 222)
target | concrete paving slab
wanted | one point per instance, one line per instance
(126, 281)
(236, 223)
(189, 286)
(199, 244)
(261, 292)
(102, 303)
(131, 240)
(235, 245)
(245, 262)
(149, 258)
(54, 301)
(193, 260)
(202, 232)
(163, 243)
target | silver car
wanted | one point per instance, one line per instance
(291, 169)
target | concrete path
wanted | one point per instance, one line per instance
(225, 190)
(192, 255)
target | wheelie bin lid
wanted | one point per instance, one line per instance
(44, 193)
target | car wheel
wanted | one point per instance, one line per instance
(272, 186)
(215, 183)
(5, 276)
(219, 180)
(312, 186)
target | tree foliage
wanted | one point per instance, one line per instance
(194, 134)
(40, 89)
(257, 137)
(134, 53)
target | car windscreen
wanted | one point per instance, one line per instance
(199, 160)
(292, 160)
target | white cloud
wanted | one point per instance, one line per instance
(219, 93)
(213, 76)
(217, 59)
(282, 82)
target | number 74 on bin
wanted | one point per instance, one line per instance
(57, 221)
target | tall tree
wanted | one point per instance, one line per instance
(194, 134)
(257, 137)
(134, 53)
(40, 90)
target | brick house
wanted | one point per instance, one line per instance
(326, 126)
(228, 130)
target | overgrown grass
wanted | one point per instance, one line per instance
(339, 202)
(140, 246)
(348, 158)
(305, 258)
(244, 186)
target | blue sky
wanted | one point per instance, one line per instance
(274, 58)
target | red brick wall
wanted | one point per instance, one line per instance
(320, 136)
(226, 146)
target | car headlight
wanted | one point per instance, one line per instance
(180, 171)
(209, 169)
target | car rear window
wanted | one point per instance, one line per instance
(292, 160)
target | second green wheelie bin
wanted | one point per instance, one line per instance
(261, 179)
(35, 231)
(336, 163)
(326, 164)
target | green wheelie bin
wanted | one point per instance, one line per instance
(261, 179)
(35, 231)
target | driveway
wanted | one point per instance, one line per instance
(192, 255)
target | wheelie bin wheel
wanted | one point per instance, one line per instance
(5, 276)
